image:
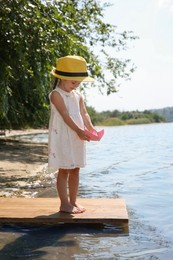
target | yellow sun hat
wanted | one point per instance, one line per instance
(72, 67)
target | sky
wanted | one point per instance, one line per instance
(151, 85)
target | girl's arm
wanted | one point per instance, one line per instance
(58, 102)
(85, 115)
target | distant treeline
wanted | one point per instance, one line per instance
(166, 113)
(114, 118)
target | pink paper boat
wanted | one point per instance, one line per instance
(95, 135)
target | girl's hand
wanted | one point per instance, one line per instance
(82, 135)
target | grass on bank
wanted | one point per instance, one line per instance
(116, 118)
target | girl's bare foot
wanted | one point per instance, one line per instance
(70, 209)
(78, 206)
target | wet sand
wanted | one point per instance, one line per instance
(22, 164)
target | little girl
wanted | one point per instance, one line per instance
(68, 120)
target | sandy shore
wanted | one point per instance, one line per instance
(23, 165)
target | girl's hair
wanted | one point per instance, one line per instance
(56, 82)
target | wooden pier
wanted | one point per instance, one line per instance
(46, 210)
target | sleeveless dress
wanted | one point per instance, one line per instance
(65, 149)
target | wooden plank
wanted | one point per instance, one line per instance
(46, 210)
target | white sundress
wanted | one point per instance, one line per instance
(65, 149)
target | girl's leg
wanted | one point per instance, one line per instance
(62, 186)
(65, 206)
(73, 182)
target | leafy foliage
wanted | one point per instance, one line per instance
(33, 33)
(114, 118)
(166, 112)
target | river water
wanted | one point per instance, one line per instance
(131, 162)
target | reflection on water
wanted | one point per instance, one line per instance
(132, 162)
(50, 241)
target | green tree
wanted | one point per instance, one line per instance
(33, 33)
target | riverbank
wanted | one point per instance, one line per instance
(22, 164)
